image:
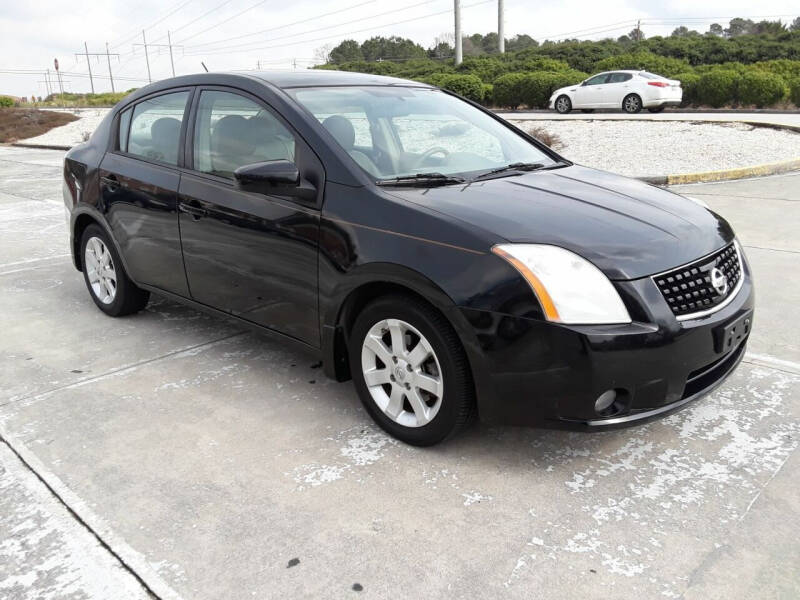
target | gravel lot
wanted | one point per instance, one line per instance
(633, 148)
(641, 148)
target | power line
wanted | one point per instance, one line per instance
(339, 35)
(291, 35)
(287, 25)
(161, 20)
(240, 13)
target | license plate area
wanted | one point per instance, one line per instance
(727, 337)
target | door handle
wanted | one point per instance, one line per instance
(111, 182)
(193, 211)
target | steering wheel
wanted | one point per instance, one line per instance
(428, 153)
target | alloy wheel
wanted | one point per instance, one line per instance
(402, 373)
(632, 104)
(562, 104)
(100, 270)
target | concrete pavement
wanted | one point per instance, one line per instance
(217, 464)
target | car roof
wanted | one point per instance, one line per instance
(323, 77)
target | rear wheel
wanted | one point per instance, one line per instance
(632, 103)
(410, 370)
(563, 104)
(109, 286)
(655, 109)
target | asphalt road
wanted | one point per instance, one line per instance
(172, 453)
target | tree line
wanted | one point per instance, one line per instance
(746, 63)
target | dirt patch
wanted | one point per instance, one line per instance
(20, 123)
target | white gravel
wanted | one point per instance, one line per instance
(639, 148)
(74, 132)
(634, 148)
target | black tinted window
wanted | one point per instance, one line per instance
(232, 131)
(618, 77)
(156, 127)
(597, 79)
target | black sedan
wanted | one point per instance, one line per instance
(449, 263)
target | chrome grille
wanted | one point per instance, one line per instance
(689, 290)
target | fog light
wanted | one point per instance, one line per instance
(605, 400)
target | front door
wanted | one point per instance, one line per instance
(590, 93)
(139, 190)
(251, 255)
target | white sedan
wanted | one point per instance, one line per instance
(628, 90)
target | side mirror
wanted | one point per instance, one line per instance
(274, 178)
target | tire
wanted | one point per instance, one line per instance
(387, 340)
(109, 285)
(632, 104)
(563, 104)
(655, 109)
(587, 110)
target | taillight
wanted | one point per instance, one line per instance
(658, 83)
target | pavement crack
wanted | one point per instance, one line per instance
(75, 515)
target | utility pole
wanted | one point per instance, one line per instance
(457, 41)
(258, 65)
(146, 59)
(501, 41)
(639, 30)
(110, 76)
(88, 63)
(108, 56)
(169, 45)
(47, 81)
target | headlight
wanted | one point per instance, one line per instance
(569, 288)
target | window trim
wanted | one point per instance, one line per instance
(181, 138)
(188, 147)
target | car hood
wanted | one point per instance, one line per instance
(627, 228)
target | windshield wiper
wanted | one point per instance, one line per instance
(517, 166)
(422, 179)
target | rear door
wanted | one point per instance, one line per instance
(616, 87)
(251, 255)
(590, 93)
(139, 181)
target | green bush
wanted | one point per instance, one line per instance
(6, 102)
(761, 88)
(645, 61)
(468, 86)
(488, 94)
(509, 90)
(794, 91)
(788, 69)
(718, 87)
(690, 86)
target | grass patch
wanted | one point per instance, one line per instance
(21, 123)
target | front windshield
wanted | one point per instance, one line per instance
(395, 132)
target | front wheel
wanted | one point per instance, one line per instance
(410, 370)
(632, 104)
(109, 285)
(563, 105)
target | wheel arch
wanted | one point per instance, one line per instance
(377, 280)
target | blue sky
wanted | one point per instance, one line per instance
(237, 34)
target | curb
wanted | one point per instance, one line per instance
(726, 175)
(40, 146)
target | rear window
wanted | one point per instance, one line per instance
(618, 77)
(647, 75)
(155, 129)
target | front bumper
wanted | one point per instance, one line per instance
(547, 374)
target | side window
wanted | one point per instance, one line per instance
(156, 127)
(232, 131)
(597, 79)
(124, 128)
(618, 77)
